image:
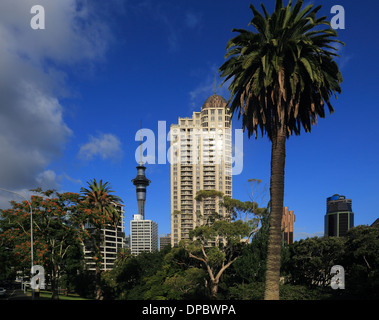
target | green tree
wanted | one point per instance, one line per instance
(219, 241)
(100, 205)
(310, 260)
(282, 76)
(185, 284)
(251, 266)
(53, 233)
(99, 195)
(361, 262)
(178, 278)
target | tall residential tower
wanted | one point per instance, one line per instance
(201, 159)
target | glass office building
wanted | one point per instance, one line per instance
(339, 216)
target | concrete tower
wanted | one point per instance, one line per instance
(143, 233)
(141, 182)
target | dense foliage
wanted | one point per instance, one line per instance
(305, 270)
(173, 273)
(62, 223)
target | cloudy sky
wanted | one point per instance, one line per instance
(73, 94)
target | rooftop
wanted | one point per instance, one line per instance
(214, 101)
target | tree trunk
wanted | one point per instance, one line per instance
(54, 285)
(99, 292)
(278, 155)
(214, 289)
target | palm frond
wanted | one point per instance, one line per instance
(284, 73)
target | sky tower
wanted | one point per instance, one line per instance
(141, 182)
(143, 233)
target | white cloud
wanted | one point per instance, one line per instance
(33, 75)
(106, 146)
(18, 195)
(72, 31)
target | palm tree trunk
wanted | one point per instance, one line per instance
(278, 155)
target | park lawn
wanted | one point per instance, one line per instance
(46, 295)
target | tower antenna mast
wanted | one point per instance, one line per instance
(140, 146)
(215, 82)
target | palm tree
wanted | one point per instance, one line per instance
(98, 196)
(281, 78)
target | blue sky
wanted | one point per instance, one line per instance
(72, 97)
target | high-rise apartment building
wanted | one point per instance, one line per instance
(288, 225)
(339, 216)
(201, 159)
(143, 235)
(112, 240)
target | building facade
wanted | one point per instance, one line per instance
(339, 216)
(164, 241)
(201, 159)
(112, 240)
(143, 235)
(288, 225)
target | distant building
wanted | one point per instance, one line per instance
(143, 235)
(112, 240)
(164, 241)
(127, 241)
(339, 216)
(288, 225)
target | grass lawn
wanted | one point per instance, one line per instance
(46, 295)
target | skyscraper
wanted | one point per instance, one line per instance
(201, 159)
(339, 216)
